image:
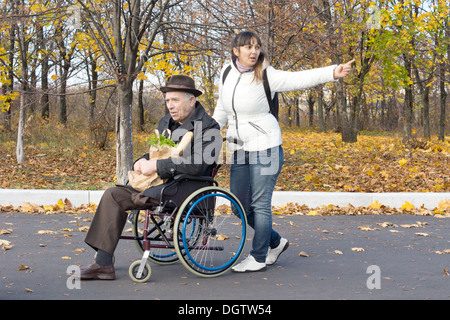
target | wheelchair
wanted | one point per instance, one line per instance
(196, 222)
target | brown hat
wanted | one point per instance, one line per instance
(181, 83)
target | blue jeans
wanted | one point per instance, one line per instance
(253, 176)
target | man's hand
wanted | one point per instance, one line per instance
(145, 167)
(343, 70)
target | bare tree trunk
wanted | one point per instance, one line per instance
(442, 103)
(310, 100)
(408, 104)
(296, 112)
(141, 105)
(23, 48)
(20, 154)
(62, 96)
(44, 101)
(320, 109)
(93, 81)
(65, 61)
(424, 90)
(443, 93)
(124, 132)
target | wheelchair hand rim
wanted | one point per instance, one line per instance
(241, 244)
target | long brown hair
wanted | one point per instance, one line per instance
(245, 38)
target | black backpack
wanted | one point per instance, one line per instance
(273, 103)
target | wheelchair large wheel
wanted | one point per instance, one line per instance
(159, 235)
(211, 228)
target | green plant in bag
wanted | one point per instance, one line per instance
(157, 142)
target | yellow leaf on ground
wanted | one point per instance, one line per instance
(23, 267)
(221, 237)
(375, 205)
(303, 254)
(60, 204)
(407, 206)
(403, 162)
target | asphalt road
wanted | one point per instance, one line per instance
(396, 263)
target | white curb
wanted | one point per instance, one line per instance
(430, 201)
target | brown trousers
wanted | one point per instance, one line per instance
(111, 216)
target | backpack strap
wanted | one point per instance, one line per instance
(272, 103)
(225, 73)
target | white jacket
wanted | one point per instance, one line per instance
(243, 104)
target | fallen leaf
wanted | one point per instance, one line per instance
(4, 248)
(303, 254)
(422, 234)
(407, 206)
(221, 237)
(29, 290)
(5, 242)
(408, 226)
(337, 252)
(366, 228)
(375, 205)
(403, 162)
(46, 232)
(23, 267)
(387, 224)
(5, 231)
(67, 203)
(358, 249)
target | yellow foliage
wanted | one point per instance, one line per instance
(402, 162)
(375, 205)
(407, 206)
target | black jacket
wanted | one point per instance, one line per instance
(204, 151)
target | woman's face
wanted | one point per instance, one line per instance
(248, 54)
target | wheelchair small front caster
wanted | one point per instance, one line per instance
(141, 276)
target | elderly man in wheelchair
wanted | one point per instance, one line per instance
(184, 217)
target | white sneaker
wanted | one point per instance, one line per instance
(249, 264)
(273, 254)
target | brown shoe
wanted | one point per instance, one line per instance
(96, 271)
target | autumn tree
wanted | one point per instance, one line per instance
(7, 58)
(118, 28)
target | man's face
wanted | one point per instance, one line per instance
(179, 105)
